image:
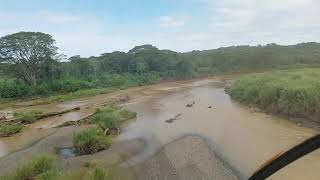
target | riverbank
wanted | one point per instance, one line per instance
(226, 127)
(293, 94)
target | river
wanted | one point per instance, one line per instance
(244, 139)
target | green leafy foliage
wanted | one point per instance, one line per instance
(98, 174)
(293, 92)
(27, 117)
(126, 114)
(10, 88)
(40, 165)
(43, 167)
(90, 141)
(29, 52)
(9, 129)
(110, 117)
(142, 65)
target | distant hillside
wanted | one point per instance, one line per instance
(246, 58)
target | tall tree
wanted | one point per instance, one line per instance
(28, 51)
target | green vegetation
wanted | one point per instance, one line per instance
(39, 71)
(41, 164)
(74, 95)
(126, 114)
(43, 167)
(90, 141)
(9, 129)
(94, 139)
(291, 92)
(98, 174)
(110, 117)
(27, 117)
(91, 163)
(10, 88)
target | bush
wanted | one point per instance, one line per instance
(106, 120)
(126, 114)
(110, 117)
(69, 85)
(106, 109)
(10, 129)
(90, 141)
(10, 88)
(40, 164)
(27, 117)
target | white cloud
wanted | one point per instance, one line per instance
(240, 14)
(171, 21)
(62, 18)
(214, 24)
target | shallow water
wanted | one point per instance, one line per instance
(244, 139)
(65, 153)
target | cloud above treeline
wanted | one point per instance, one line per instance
(201, 24)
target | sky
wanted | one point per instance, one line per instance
(92, 27)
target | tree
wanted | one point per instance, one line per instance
(141, 66)
(27, 51)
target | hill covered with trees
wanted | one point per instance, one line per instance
(31, 66)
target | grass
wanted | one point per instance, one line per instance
(91, 163)
(43, 167)
(111, 117)
(38, 166)
(94, 139)
(292, 92)
(74, 95)
(126, 114)
(98, 174)
(10, 129)
(27, 117)
(90, 141)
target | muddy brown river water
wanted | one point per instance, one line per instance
(242, 138)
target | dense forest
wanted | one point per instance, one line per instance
(31, 66)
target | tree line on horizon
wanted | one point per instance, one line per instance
(30, 59)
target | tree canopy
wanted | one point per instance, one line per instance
(31, 57)
(27, 51)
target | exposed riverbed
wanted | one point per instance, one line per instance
(242, 138)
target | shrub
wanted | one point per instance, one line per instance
(90, 141)
(10, 88)
(106, 120)
(40, 164)
(107, 109)
(27, 117)
(68, 85)
(10, 129)
(126, 114)
(110, 117)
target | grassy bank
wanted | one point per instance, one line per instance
(291, 92)
(12, 90)
(43, 167)
(108, 119)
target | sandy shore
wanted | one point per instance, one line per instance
(186, 158)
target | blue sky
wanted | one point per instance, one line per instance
(92, 27)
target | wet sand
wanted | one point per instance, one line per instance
(241, 138)
(189, 157)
